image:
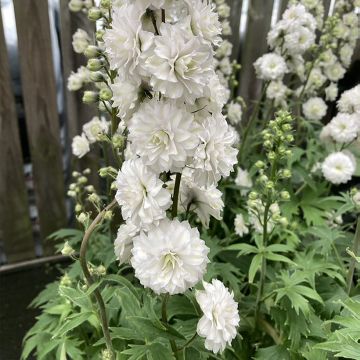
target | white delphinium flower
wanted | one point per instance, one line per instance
(240, 226)
(163, 134)
(95, 127)
(346, 52)
(349, 101)
(179, 64)
(344, 127)
(298, 15)
(277, 91)
(270, 66)
(125, 40)
(80, 145)
(334, 72)
(215, 156)
(299, 40)
(204, 202)
(225, 66)
(77, 79)
(314, 108)
(226, 28)
(331, 92)
(224, 49)
(140, 194)
(243, 178)
(221, 317)
(124, 242)
(80, 41)
(327, 58)
(338, 168)
(169, 258)
(125, 96)
(234, 113)
(316, 79)
(325, 134)
(204, 20)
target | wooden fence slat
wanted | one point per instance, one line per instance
(15, 225)
(77, 113)
(39, 92)
(254, 45)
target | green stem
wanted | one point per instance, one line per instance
(176, 195)
(353, 261)
(264, 243)
(164, 318)
(91, 281)
(188, 342)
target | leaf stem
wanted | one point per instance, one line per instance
(353, 261)
(176, 195)
(91, 281)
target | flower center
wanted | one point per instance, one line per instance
(170, 260)
(160, 138)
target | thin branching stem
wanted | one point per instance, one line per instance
(91, 281)
(353, 261)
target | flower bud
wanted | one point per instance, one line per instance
(263, 178)
(99, 35)
(269, 185)
(94, 198)
(90, 188)
(78, 208)
(283, 221)
(118, 141)
(286, 173)
(97, 76)
(94, 14)
(253, 195)
(106, 4)
(105, 94)
(108, 215)
(286, 127)
(113, 186)
(65, 281)
(82, 218)
(88, 3)
(285, 195)
(260, 164)
(94, 64)
(289, 138)
(67, 250)
(90, 97)
(252, 204)
(101, 270)
(82, 180)
(268, 143)
(72, 186)
(75, 174)
(75, 5)
(92, 51)
(71, 193)
(87, 171)
(106, 355)
(271, 155)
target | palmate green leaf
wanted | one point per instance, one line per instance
(76, 296)
(47, 295)
(278, 257)
(160, 352)
(125, 334)
(74, 321)
(136, 352)
(275, 352)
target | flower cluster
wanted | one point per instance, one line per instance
(317, 63)
(155, 74)
(341, 132)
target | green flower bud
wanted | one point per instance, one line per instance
(78, 208)
(289, 138)
(108, 215)
(101, 270)
(90, 97)
(82, 218)
(94, 198)
(82, 180)
(253, 195)
(94, 14)
(65, 281)
(260, 164)
(72, 186)
(283, 221)
(285, 195)
(269, 185)
(75, 174)
(97, 76)
(105, 94)
(286, 127)
(268, 144)
(75, 5)
(67, 250)
(94, 64)
(271, 155)
(92, 51)
(99, 35)
(106, 4)
(90, 188)
(71, 193)
(263, 178)
(87, 171)
(286, 173)
(118, 141)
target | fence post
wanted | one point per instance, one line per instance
(15, 225)
(39, 93)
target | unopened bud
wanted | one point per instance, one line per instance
(75, 5)
(94, 64)
(286, 173)
(92, 51)
(268, 143)
(78, 208)
(260, 164)
(82, 218)
(105, 94)
(65, 281)
(106, 4)
(71, 193)
(108, 215)
(284, 221)
(94, 14)
(75, 174)
(99, 35)
(67, 250)
(113, 186)
(118, 141)
(253, 195)
(97, 76)
(82, 180)
(285, 195)
(269, 185)
(94, 198)
(90, 188)
(90, 97)
(101, 270)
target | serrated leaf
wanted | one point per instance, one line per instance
(254, 266)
